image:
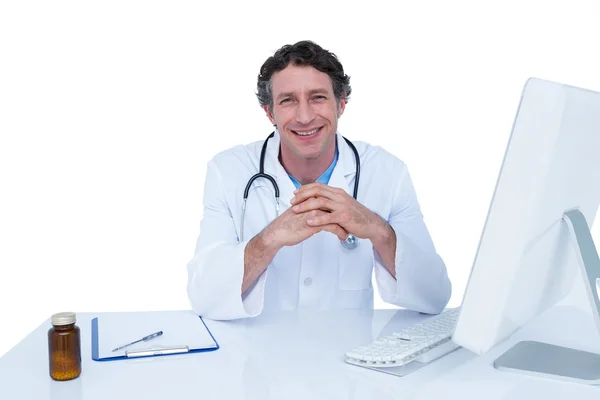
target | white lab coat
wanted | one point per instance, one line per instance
(317, 273)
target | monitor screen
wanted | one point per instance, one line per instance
(526, 261)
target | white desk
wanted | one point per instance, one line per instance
(296, 356)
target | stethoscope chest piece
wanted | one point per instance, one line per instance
(350, 243)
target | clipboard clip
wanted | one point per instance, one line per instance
(157, 351)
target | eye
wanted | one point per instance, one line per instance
(287, 100)
(320, 97)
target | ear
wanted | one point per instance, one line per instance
(269, 114)
(342, 105)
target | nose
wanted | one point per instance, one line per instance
(305, 113)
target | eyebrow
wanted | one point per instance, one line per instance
(310, 93)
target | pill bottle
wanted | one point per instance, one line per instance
(64, 347)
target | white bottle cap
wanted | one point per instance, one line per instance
(64, 318)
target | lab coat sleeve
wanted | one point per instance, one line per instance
(216, 271)
(422, 282)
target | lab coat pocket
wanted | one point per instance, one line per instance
(356, 267)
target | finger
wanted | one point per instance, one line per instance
(317, 190)
(342, 218)
(339, 217)
(336, 230)
(317, 203)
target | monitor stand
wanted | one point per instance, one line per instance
(557, 362)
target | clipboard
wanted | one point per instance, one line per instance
(183, 332)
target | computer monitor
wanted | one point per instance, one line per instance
(537, 231)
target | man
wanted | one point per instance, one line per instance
(263, 259)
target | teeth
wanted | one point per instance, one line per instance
(307, 133)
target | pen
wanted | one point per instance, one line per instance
(144, 339)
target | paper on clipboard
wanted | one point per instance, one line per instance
(180, 329)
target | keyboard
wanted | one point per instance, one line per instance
(423, 342)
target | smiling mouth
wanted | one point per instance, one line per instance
(307, 133)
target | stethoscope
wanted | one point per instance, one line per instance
(351, 241)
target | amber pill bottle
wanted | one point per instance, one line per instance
(64, 347)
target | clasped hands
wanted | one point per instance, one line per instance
(317, 207)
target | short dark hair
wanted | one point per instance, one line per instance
(302, 53)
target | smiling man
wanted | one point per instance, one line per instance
(257, 252)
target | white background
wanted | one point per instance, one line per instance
(110, 110)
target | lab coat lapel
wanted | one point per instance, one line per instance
(345, 169)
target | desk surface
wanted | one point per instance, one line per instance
(297, 356)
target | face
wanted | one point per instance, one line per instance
(305, 111)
